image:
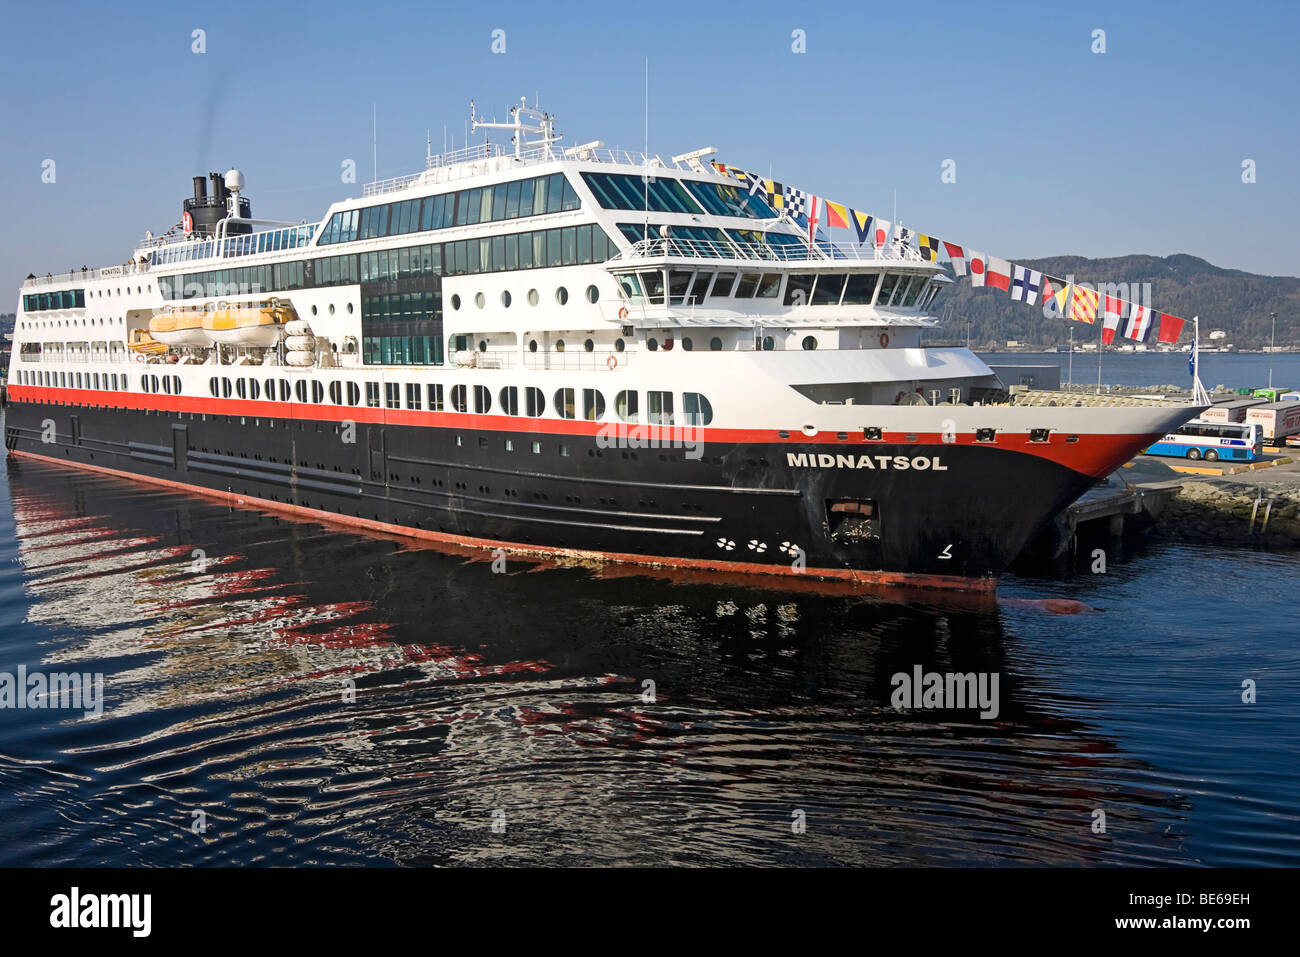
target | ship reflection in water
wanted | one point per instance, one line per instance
(327, 697)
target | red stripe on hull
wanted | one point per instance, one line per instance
(1096, 454)
(854, 576)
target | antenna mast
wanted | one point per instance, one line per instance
(524, 121)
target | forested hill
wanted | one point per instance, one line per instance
(1237, 302)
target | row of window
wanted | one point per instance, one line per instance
(59, 299)
(692, 287)
(529, 197)
(402, 350)
(271, 241)
(566, 403)
(565, 246)
(670, 195)
(112, 381)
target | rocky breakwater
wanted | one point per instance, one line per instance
(1220, 513)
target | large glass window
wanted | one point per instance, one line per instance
(860, 288)
(723, 200)
(828, 289)
(798, 290)
(621, 191)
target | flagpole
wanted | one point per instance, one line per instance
(1199, 395)
(1069, 372)
(1100, 344)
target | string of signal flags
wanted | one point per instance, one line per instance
(1060, 297)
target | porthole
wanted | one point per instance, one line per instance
(482, 345)
(619, 345)
(652, 345)
(455, 301)
(589, 345)
(561, 295)
(480, 300)
(533, 298)
(331, 308)
(593, 294)
(313, 310)
(532, 345)
(809, 343)
(559, 345)
(768, 343)
(687, 344)
(349, 308)
(715, 344)
(505, 298)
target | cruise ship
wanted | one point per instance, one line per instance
(556, 350)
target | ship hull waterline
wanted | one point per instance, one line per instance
(954, 517)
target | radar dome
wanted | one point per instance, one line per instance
(235, 180)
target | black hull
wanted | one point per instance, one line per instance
(958, 519)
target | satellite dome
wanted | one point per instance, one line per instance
(235, 180)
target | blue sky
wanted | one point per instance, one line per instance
(1057, 149)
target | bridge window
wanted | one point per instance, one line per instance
(860, 288)
(654, 287)
(678, 282)
(798, 290)
(828, 289)
(914, 290)
(887, 284)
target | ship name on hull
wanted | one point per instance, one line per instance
(899, 463)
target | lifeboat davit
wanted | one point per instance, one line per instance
(248, 324)
(179, 327)
(140, 342)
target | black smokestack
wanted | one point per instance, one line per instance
(200, 189)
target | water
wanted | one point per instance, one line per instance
(1235, 370)
(479, 694)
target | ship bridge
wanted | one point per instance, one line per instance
(770, 278)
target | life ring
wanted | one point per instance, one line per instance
(884, 340)
(612, 362)
(139, 357)
(622, 312)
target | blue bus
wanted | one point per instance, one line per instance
(1212, 441)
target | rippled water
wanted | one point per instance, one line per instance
(479, 695)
